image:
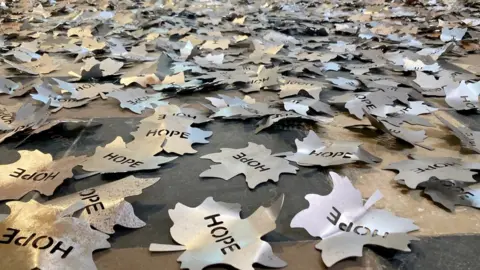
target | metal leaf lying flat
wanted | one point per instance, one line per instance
(240, 243)
(35, 171)
(106, 205)
(52, 240)
(255, 162)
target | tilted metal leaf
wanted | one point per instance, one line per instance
(291, 86)
(254, 161)
(313, 151)
(213, 233)
(106, 205)
(419, 169)
(35, 171)
(302, 105)
(464, 97)
(137, 99)
(470, 139)
(283, 117)
(410, 136)
(376, 103)
(345, 224)
(7, 86)
(52, 240)
(451, 193)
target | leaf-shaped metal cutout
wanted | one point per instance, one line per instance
(419, 169)
(470, 139)
(254, 161)
(302, 105)
(137, 99)
(213, 233)
(287, 116)
(451, 193)
(35, 171)
(117, 157)
(105, 205)
(313, 151)
(36, 236)
(292, 86)
(345, 224)
(173, 133)
(464, 97)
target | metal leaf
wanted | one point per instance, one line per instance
(464, 97)
(451, 193)
(449, 34)
(35, 171)
(345, 224)
(345, 84)
(313, 151)
(419, 169)
(470, 139)
(106, 205)
(293, 86)
(283, 117)
(137, 99)
(254, 161)
(173, 134)
(302, 105)
(214, 234)
(50, 239)
(410, 136)
(117, 157)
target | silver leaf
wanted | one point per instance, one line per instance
(313, 151)
(451, 193)
(106, 206)
(470, 139)
(255, 162)
(137, 99)
(464, 97)
(172, 133)
(302, 105)
(195, 229)
(118, 157)
(345, 224)
(420, 169)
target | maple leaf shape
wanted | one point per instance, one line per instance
(27, 117)
(254, 161)
(303, 105)
(464, 97)
(314, 151)
(451, 193)
(197, 116)
(470, 139)
(110, 200)
(236, 108)
(284, 118)
(116, 157)
(421, 169)
(293, 86)
(345, 224)
(35, 171)
(57, 242)
(413, 137)
(137, 99)
(199, 230)
(174, 132)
